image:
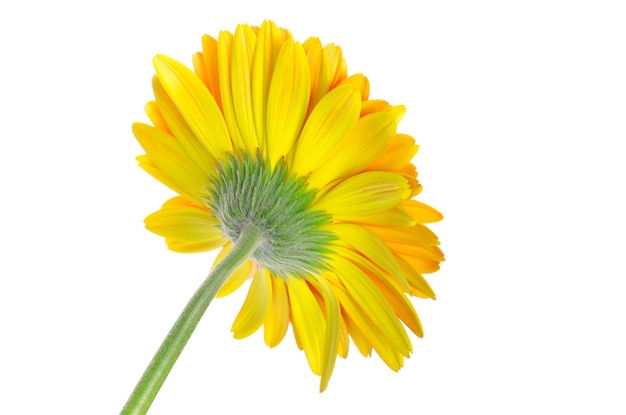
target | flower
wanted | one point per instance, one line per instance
(269, 133)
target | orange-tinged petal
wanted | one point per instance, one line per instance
(318, 63)
(209, 54)
(337, 65)
(195, 103)
(255, 307)
(332, 119)
(287, 101)
(369, 246)
(373, 315)
(421, 212)
(419, 285)
(399, 154)
(372, 106)
(358, 82)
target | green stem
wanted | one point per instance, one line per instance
(164, 359)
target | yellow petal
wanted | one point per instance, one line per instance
(399, 303)
(331, 339)
(209, 54)
(186, 225)
(242, 52)
(399, 153)
(358, 82)
(255, 307)
(432, 253)
(268, 44)
(372, 314)
(165, 154)
(364, 194)
(277, 319)
(370, 138)
(344, 340)
(195, 103)
(415, 235)
(153, 112)
(336, 64)
(287, 101)
(186, 138)
(361, 342)
(151, 168)
(224, 59)
(318, 64)
(308, 322)
(396, 216)
(245, 271)
(419, 285)
(332, 119)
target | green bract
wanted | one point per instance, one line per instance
(247, 191)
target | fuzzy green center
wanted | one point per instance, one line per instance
(247, 191)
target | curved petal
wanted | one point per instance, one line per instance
(331, 339)
(277, 319)
(245, 271)
(255, 307)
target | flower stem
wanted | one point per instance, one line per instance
(146, 390)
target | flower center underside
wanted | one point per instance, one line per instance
(247, 191)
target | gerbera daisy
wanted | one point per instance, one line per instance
(281, 159)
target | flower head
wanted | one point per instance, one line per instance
(270, 133)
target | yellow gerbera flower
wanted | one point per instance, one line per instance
(272, 137)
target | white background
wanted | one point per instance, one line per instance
(519, 108)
